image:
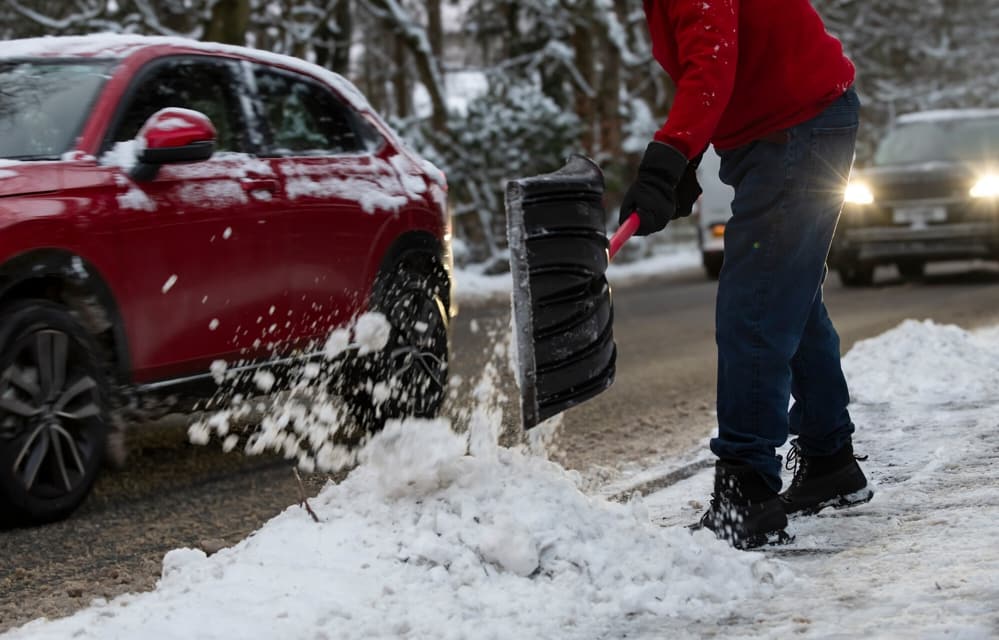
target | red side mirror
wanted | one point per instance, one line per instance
(172, 136)
(173, 127)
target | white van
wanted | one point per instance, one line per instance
(713, 210)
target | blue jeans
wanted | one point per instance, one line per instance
(775, 338)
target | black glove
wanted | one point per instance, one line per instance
(688, 190)
(653, 193)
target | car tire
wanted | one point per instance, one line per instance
(856, 275)
(713, 264)
(912, 269)
(412, 295)
(54, 419)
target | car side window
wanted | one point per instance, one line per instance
(305, 118)
(199, 84)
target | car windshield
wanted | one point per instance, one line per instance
(43, 105)
(971, 139)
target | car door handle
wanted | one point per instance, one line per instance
(259, 184)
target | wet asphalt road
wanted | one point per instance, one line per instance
(172, 494)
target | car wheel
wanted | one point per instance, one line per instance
(414, 362)
(713, 264)
(856, 275)
(53, 413)
(912, 269)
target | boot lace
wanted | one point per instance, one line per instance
(795, 460)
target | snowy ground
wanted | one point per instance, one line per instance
(422, 540)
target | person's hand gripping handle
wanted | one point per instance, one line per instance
(652, 200)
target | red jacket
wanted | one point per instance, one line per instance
(743, 69)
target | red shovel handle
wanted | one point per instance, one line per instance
(621, 236)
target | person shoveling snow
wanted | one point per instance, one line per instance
(770, 88)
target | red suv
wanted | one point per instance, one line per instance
(166, 204)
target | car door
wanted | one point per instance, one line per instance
(202, 244)
(337, 195)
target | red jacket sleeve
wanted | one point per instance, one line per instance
(705, 33)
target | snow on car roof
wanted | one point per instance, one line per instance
(113, 45)
(947, 114)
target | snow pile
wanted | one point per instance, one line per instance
(923, 362)
(422, 540)
(439, 532)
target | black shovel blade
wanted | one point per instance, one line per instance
(561, 301)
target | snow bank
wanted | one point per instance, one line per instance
(923, 362)
(437, 533)
(422, 540)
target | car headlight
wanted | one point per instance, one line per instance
(986, 187)
(858, 193)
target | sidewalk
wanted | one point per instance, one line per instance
(424, 541)
(922, 559)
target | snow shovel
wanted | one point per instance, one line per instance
(562, 309)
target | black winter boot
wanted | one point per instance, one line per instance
(824, 481)
(744, 510)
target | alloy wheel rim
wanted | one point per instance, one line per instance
(416, 352)
(48, 405)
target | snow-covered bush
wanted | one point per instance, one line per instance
(512, 131)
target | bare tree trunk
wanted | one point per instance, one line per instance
(324, 46)
(418, 44)
(332, 45)
(400, 79)
(435, 28)
(374, 89)
(340, 61)
(585, 106)
(229, 21)
(609, 103)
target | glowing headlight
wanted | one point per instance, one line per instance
(858, 193)
(986, 187)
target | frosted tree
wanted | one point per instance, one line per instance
(585, 66)
(927, 55)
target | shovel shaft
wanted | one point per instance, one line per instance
(621, 236)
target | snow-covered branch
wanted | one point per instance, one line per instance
(60, 25)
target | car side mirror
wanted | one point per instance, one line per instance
(173, 136)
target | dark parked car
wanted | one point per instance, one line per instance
(931, 194)
(165, 204)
